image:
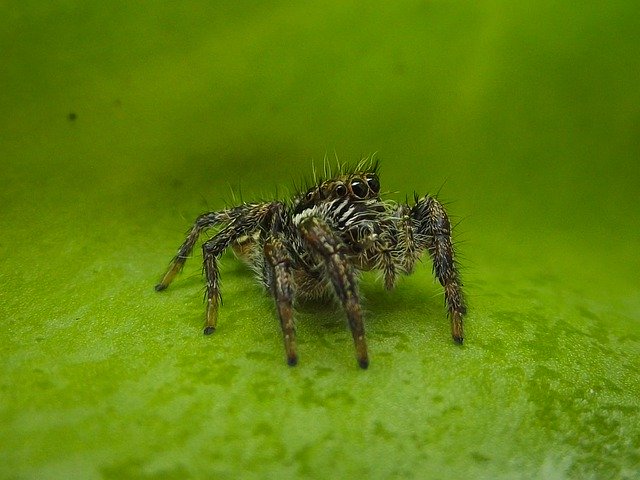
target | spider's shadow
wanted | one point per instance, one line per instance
(406, 298)
(408, 302)
(381, 307)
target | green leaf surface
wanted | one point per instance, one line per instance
(121, 122)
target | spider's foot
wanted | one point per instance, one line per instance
(457, 331)
(291, 350)
(363, 363)
(168, 277)
(211, 316)
(361, 351)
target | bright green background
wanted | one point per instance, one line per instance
(527, 116)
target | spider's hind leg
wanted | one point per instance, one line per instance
(240, 221)
(204, 221)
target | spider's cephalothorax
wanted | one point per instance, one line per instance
(315, 245)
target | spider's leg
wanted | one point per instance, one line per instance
(321, 239)
(254, 217)
(434, 230)
(406, 241)
(250, 212)
(389, 270)
(282, 286)
(211, 249)
(204, 221)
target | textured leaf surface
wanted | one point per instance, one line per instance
(121, 122)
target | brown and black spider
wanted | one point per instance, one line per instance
(316, 244)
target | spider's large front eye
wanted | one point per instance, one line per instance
(374, 183)
(359, 188)
(341, 190)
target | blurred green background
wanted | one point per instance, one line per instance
(122, 121)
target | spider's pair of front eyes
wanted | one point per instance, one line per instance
(359, 187)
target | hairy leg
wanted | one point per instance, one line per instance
(241, 220)
(434, 230)
(212, 249)
(398, 252)
(282, 287)
(406, 239)
(389, 270)
(254, 217)
(204, 221)
(321, 239)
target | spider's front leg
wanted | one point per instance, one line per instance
(282, 286)
(322, 240)
(434, 229)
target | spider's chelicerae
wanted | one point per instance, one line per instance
(316, 244)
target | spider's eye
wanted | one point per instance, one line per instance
(359, 188)
(374, 183)
(341, 190)
(309, 196)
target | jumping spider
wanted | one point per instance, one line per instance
(315, 245)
